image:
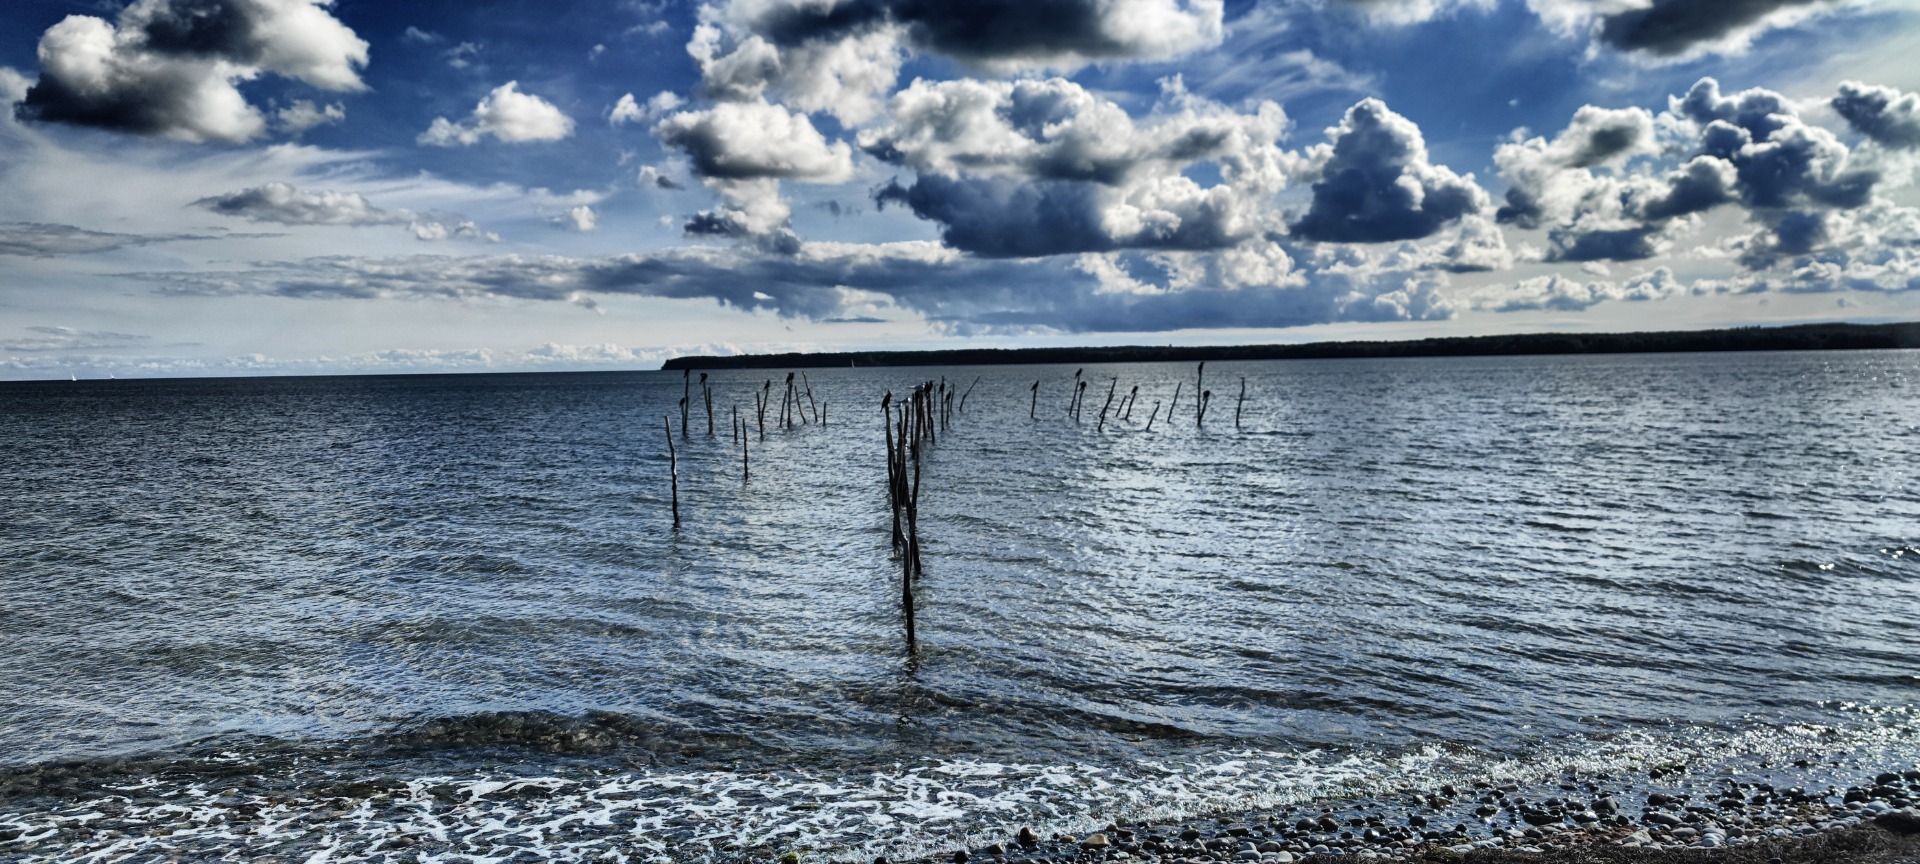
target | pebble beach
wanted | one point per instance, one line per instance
(1586, 817)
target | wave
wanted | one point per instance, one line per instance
(345, 814)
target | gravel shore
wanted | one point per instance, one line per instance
(1605, 820)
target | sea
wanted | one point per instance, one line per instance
(451, 618)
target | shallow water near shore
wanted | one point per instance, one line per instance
(448, 615)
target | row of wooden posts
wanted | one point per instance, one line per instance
(1125, 409)
(792, 410)
(911, 426)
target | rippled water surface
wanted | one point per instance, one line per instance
(1458, 565)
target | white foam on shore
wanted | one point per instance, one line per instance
(903, 811)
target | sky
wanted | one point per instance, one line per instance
(240, 187)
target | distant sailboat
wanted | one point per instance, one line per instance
(72, 377)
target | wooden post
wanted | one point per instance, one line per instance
(1103, 409)
(1035, 404)
(1132, 397)
(1199, 385)
(963, 396)
(1171, 406)
(1079, 397)
(736, 423)
(746, 469)
(823, 414)
(686, 394)
(766, 398)
(793, 400)
(911, 553)
(1156, 413)
(815, 405)
(1200, 418)
(707, 393)
(893, 466)
(673, 469)
(1240, 404)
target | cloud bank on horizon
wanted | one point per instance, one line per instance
(240, 186)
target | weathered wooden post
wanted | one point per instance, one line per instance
(1242, 403)
(893, 466)
(1199, 384)
(1200, 418)
(1035, 404)
(673, 469)
(963, 396)
(766, 401)
(735, 427)
(707, 393)
(1156, 413)
(746, 469)
(1102, 427)
(1132, 397)
(686, 394)
(1073, 401)
(1079, 397)
(1175, 404)
(810, 402)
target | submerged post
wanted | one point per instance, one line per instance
(707, 393)
(766, 398)
(1132, 397)
(963, 396)
(1200, 418)
(1199, 385)
(1175, 404)
(1109, 404)
(810, 402)
(1242, 403)
(1035, 404)
(893, 464)
(673, 468)
(686, 394)
(1156, 413)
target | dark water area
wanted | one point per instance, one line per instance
(288, 593)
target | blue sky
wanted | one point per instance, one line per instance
(220, 187)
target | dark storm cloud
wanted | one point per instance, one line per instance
(1702, 184)
(724, 222)
(996, 31)
(1617, 244)
(1000, 217)
(170, 67)
(1800, 162)
(155, 103)
(1883, 114)
(1674, 27)
(1759, 111)
(44, 240)
(1379, 186)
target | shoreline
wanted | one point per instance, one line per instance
(1874, 822)
(1793, 337)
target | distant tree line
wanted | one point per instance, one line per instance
(1800, 337)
